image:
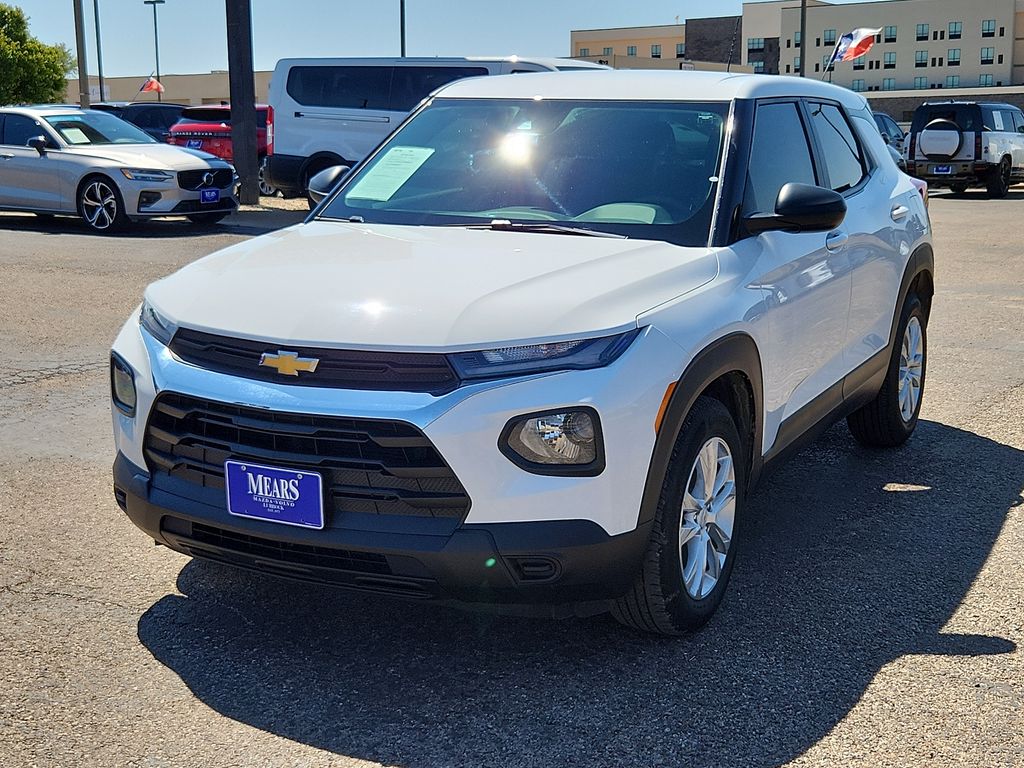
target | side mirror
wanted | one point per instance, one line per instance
(323, 183)
(800, 208)
(38, 143)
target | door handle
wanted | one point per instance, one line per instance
(836, 240)
(900, 212)
(7, 155)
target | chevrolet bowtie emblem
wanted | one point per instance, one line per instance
(288, 363)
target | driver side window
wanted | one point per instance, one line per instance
(779, 154)
(18, 129)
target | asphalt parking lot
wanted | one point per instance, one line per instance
(876, 616)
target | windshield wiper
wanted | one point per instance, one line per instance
(504, 225)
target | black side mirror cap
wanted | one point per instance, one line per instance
(39, 144)
(800, 208)
(324, 182)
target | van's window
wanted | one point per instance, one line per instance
(843, 157)
(640, 169)
(967, 116)
(779, 154)
(410, 85)
(345, 87)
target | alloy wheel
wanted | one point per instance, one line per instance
(707, 519)
(265, 188)
(99, 205)
(911, 369)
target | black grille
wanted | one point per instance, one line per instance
(193, 180)
(368, 466)
(337, 368)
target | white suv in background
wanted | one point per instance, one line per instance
(331, 111)
(538, 348)
(962, 144)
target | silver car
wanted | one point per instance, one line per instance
(65, 160)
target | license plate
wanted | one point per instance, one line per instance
(942, 170)
(209, 196)
(274, 494)
(194, 143)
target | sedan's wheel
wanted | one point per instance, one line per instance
(101, 206)
(999, 180)
(889, 419)
(692, 548)
(265, 189)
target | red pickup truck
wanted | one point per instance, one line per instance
(209, 128)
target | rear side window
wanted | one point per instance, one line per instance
(966, 116)
(341, 87)
(779, 154)
(842, 155)
(18, 129)
(410, 85)
(999, 119)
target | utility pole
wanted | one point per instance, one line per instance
(803, 38)
(83, 71)
(401, 23)
(156, 39)
(99, 48)
(243, 98)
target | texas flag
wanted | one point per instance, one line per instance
(854, 44)
(152, 84)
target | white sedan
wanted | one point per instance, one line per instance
(64, 160)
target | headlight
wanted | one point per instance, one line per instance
(122, 385)
(540, 358)
(146, 174)
(159, 327)
(563, 442)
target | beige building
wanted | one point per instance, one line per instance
(207, 88)
(660, 42)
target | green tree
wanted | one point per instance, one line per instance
(30, 71)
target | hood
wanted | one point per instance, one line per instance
(361, 286)
(158, 156)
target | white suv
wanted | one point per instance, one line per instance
(539, 348)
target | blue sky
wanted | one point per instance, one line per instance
(192, 35)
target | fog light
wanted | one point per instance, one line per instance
(562, 442)
(147, 199)
(122, 385)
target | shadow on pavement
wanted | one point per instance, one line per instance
(852, 559)
(258, 222)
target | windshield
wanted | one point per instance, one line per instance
(89, 128)
(639, 169)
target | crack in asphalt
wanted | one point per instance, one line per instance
(36, 375)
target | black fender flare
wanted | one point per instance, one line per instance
(921, 262)
(735, 352)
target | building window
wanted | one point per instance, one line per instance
(890, 60)
(889, 84)
(825, 61)
(953, 57)
(986, 81)
(796, 64)
(956, 30)
(921, 59)
(858, 63)
(988, 55)
(920, 83)
(796, 38)
(680, 50)
(890, 34)
(758, 67)
(631, 50)
(608, 52)
(952, 81)
(755, 44)
(922, 31)
(584, 51)
(988, 28)
(655, 51)
(858, 85)
(829, 37)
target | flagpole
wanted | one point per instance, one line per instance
(831, 61)
(144, 82)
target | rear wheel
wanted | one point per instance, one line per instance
(100, 205)
(207, 219)
(692, 549)
(999, 180)
(958, 189)
(266, 189)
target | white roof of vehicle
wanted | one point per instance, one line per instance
(646, 85)
(544, 61)
(42, 110)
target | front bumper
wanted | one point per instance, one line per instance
(553, 567)
(149, 199)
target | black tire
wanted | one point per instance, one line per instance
(999, 180)
(101, 206)
(958, 189)
(658, 601)
(207, 219)
(266, 190)
(880, 423)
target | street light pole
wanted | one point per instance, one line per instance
(803, 38)
(83, 70)
(401, 23)
(99, 47)
(156, 39)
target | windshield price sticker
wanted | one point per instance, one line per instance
(389, 173)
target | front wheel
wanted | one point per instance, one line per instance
(101, 206)
(958, 189)
(207, 219)
(692, 548)
(266, 189)
(999, 180)
(890, 419)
